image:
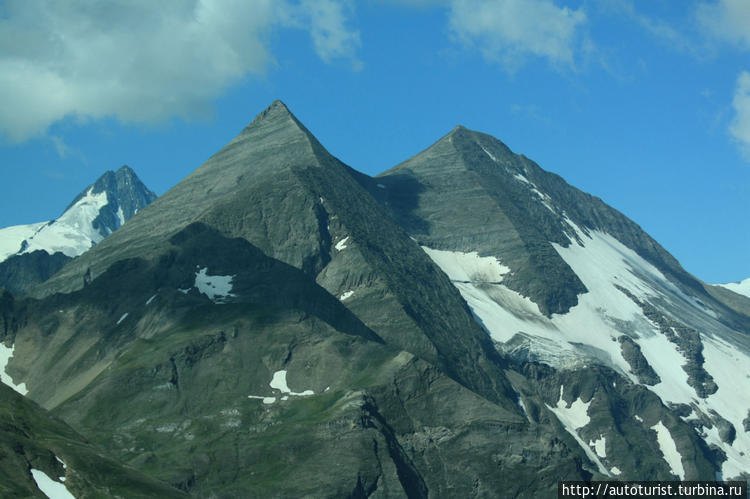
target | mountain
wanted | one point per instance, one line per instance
(463, 325)
(30, 254)
(557, 276)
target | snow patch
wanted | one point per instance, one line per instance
(148, 302)
(615, 470)
(599, 446)
(279, 383)
(5, 355)
(492, 156)
(345, 295)
(638, 418)
(468, 267)
(575, 417)
(51, 488)
(669, 449)
(266, 400)
(120, 216)
(217, 287)
(381, 186)
(521, 178)
(341, 245)
(124, 316)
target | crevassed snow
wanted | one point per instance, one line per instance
(124, 316)
(345, 295)
(148, 302)
(216, 287)
(600, 446)
(468, 267)
(575, 417)
(11, 238)
(51, 488)
(5, 355)
(742, 287)
(342, 244)
(72, 233)
(669, 449)
(279, 383)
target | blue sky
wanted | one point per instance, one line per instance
(645, 104)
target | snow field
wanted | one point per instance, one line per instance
(12, 237)
(72, 233)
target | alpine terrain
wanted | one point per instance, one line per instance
(279, 324)
(30, 254)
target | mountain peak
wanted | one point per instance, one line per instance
(277, 109)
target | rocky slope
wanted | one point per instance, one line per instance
(41, 454)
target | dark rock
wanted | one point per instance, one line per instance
(631, 352)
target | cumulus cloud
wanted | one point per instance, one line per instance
(508, 31)
(140, 60)
(726, 20)
(740, 125)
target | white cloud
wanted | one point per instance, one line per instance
(739, 128)
(332, 39)
(141, 60)
(508, 31)
(726, 20)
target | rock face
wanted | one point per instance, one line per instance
(465, 325)
(31, 254)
